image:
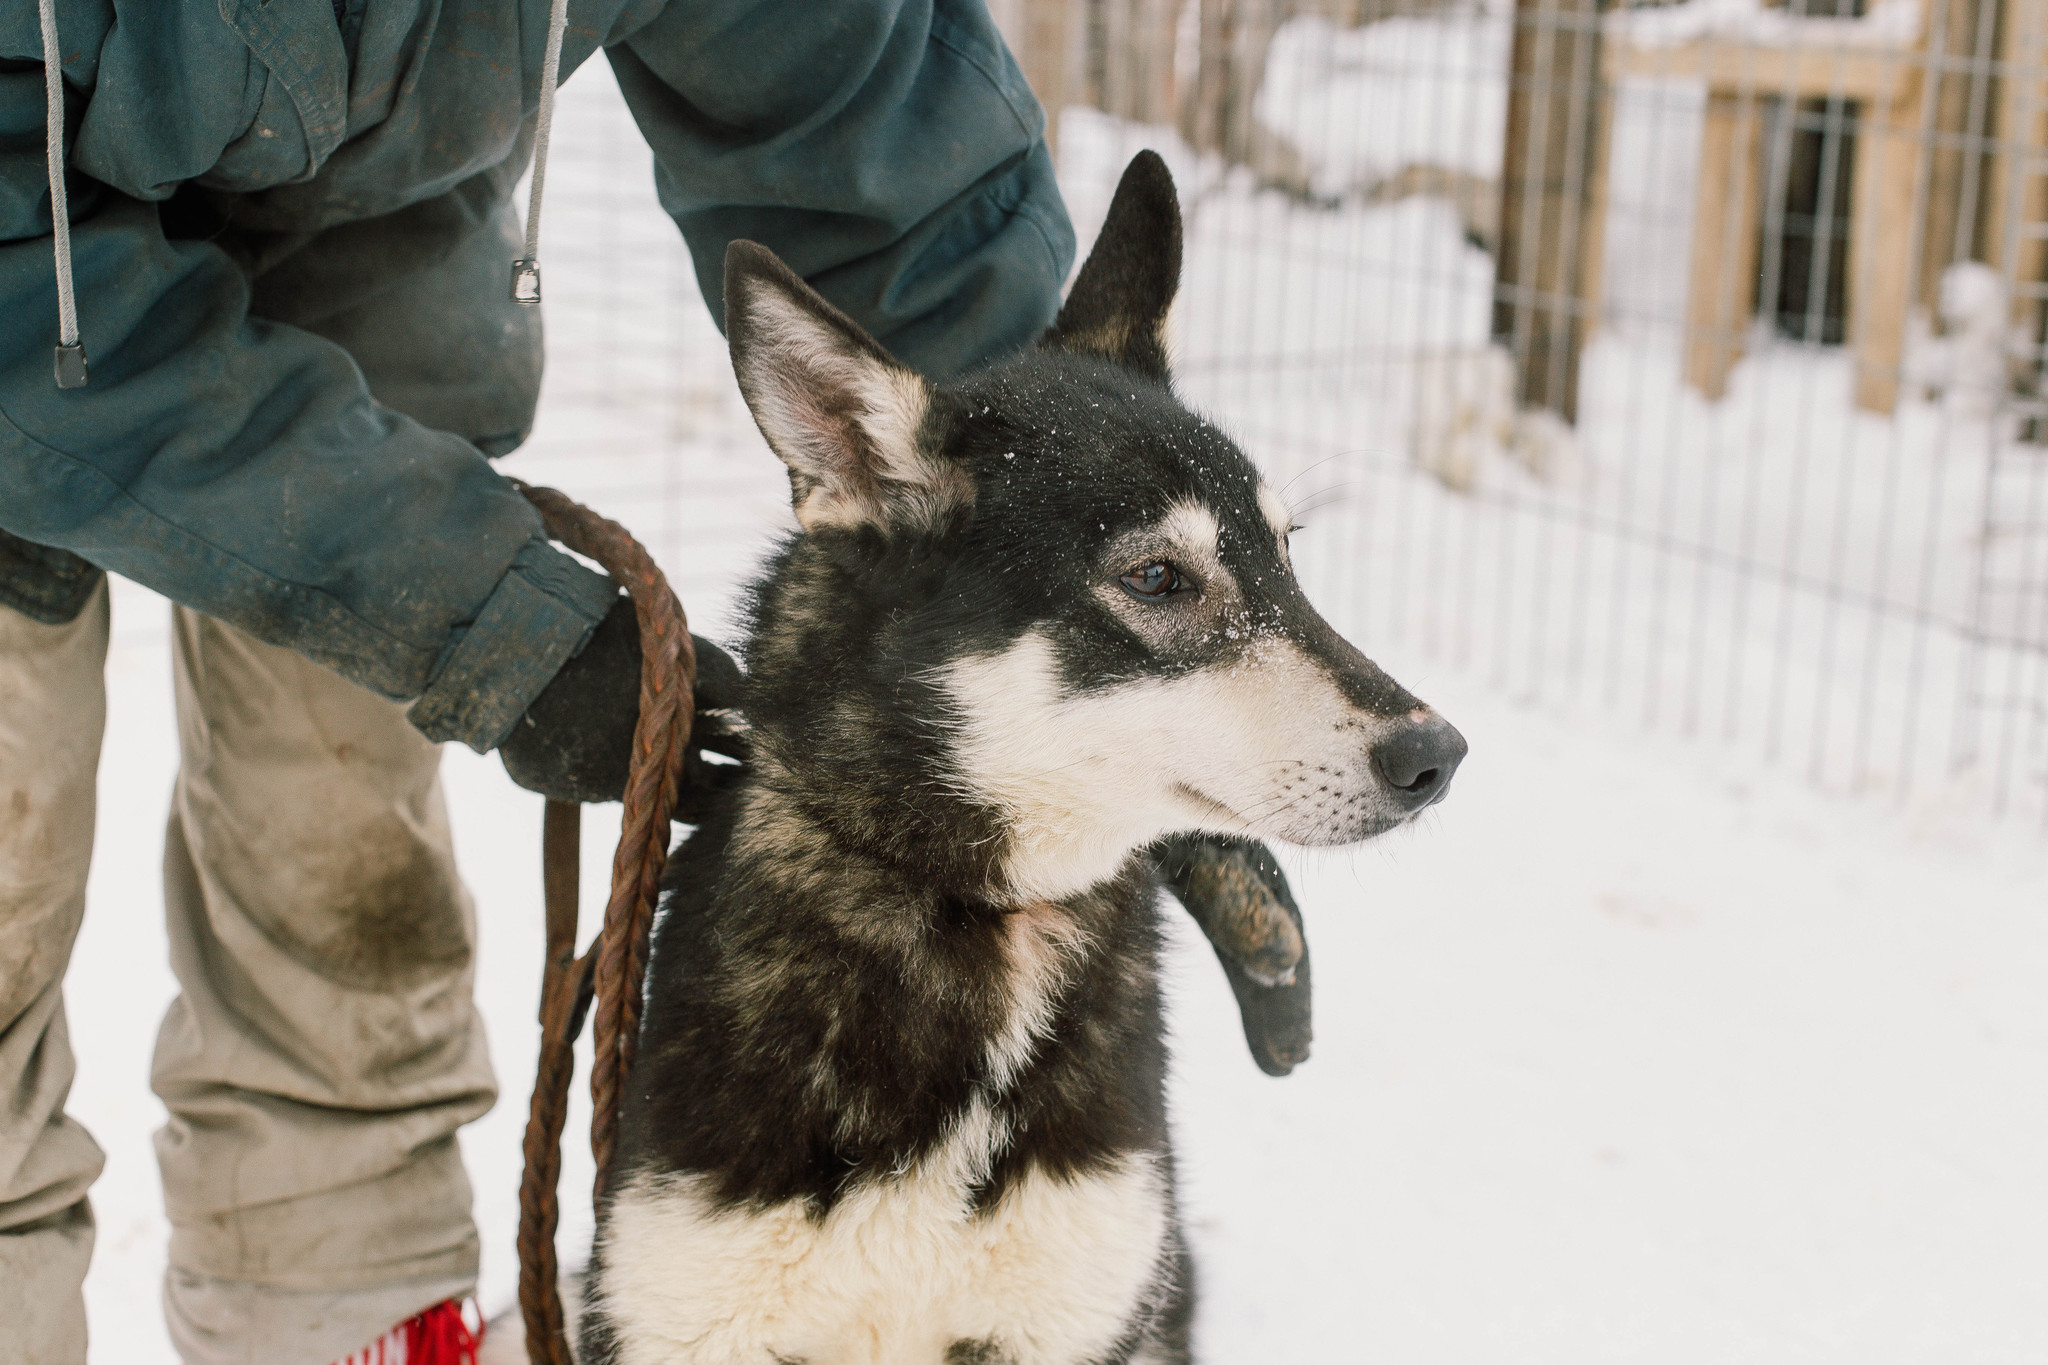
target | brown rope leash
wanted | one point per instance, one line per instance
(616, 965)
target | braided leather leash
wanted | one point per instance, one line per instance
(616, 965)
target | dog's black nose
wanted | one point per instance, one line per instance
(1417, 761)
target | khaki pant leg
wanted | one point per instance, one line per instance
(53, 709)
(324, 1048)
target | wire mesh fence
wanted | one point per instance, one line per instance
(1684, 362)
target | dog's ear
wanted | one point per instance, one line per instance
(1117, 307)
(839, 410)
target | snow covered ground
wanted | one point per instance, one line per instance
(1631, 1054)
(1637, 1051)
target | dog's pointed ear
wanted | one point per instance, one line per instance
(1117, 307)
(840, 411)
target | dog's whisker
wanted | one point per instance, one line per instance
(1335, 496)
(1307, 470)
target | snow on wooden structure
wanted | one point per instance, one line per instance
(1926, 120)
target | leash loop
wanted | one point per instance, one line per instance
(615, 968)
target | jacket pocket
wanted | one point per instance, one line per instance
(44, 583)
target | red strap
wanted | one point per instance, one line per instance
(439, 1336)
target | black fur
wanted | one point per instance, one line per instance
(899, 1006)
(1117, 309)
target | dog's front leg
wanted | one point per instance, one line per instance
(1236, 891)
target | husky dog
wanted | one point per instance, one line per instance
(899, 1096)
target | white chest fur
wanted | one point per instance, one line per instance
(895, 1274)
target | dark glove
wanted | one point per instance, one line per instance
(1236, 891)
(575, 742)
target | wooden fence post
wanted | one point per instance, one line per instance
(1045, 36)
(1548, 208)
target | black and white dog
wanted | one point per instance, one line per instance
(899, 1094)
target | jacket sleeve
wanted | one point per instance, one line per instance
(242, 468)
(888, 150)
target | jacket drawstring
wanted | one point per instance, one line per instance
(70, 357)
(526, 270)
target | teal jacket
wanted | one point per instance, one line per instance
(292, 232)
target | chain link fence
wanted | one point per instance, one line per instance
(1682, 360)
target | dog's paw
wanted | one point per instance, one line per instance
(1236, 892)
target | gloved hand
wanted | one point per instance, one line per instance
(575, 742)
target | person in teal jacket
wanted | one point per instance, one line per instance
(290, 233)
(291, 227)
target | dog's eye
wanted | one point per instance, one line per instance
(1154, 582)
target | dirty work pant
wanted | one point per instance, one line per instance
(323, 1049)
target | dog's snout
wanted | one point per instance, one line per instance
(1417, 761)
